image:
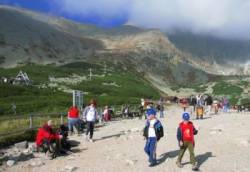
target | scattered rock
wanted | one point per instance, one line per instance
(37, 163)
(22, 145)
(214, 131)
(135, 130)
(69, 169)
(26, 151)
(131, 162)
(10, 163)
(32, 147)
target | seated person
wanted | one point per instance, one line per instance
(48, 141)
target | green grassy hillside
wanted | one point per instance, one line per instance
(116, 87)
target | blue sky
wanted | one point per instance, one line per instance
(221, 18)
(52, 7)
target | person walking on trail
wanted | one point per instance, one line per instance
(225, 104)
(209, 102)
(90, 115)
(106, 114)
(193, 102)
(185, 137)
(160, 108)
(153, 131)
(73, 119)
(48, 141)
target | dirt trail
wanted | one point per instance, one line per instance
(222, 144)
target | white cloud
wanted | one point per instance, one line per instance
(228, 18)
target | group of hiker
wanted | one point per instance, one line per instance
(54, 143)
(205, 104)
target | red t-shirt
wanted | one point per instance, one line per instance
(73, 112)
(187, 131)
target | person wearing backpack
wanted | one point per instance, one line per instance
(185, 137)
(90, 115)
(153, 131)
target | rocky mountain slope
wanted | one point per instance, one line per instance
(30, 37)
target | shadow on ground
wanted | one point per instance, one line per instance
(110, 136)
(204, 157)
(165, 156)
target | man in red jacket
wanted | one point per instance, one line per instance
(73, 118)
(185, 137)
(47, 140)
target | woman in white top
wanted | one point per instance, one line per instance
(90, 116)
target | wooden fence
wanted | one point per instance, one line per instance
(17, 124)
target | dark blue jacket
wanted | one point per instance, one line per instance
(158, 129)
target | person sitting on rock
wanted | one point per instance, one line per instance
(48, 141)
(185, 137)
(153, 131)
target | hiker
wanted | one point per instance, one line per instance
(73, 119)
(209, 102)
(90, 115)
(225, 104)
(160, 108)
(185, 137)
(184, 103)
(153, 131)
(125, 111)
(106, 114)
(48, 141)
(193, 102)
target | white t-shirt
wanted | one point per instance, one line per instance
(151, 129)
(91, 114)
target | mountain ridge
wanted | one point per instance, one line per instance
(30, 37)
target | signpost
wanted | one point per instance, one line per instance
(78, 99)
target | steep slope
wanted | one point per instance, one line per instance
(24, 39)
(218, 55)
(30, 37)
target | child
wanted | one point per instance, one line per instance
(153, 131)
(185, 137)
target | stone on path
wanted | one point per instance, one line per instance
(22, 145)
(10, 163)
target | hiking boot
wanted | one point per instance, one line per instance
(152, 164)
(178, 163)
(195, 167)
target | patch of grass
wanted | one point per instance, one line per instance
(224, 88)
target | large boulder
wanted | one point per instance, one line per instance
(22, 145)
